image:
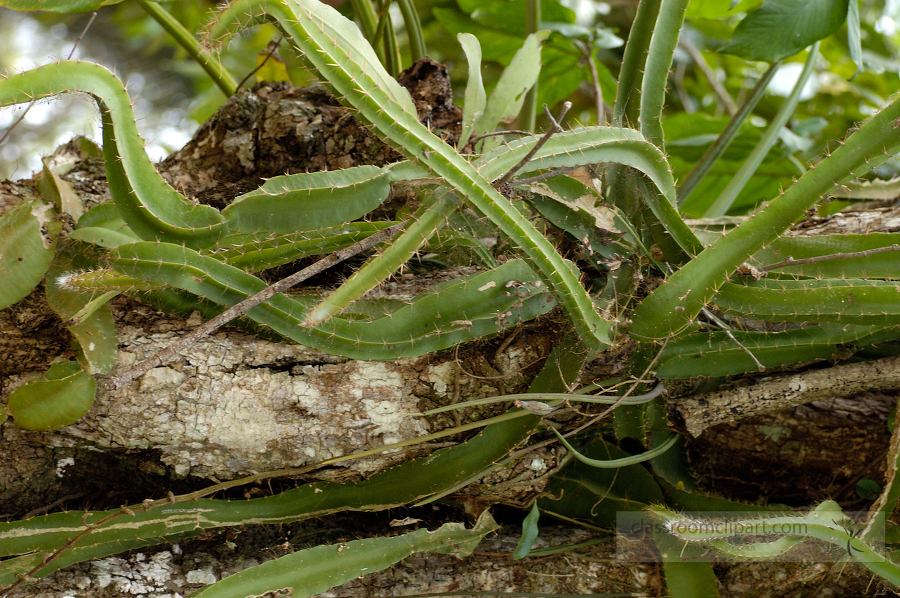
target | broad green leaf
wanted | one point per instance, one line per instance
(568, 204)
(96, 336)
(529, 533)
(499, 24)
(104, 237)
(501, 35)
(508, 16)
(104, 215)
(475, 96)
(60, 398)
(781, 28)
(103, 225)
(86, 314)
(27, 243)
(315, 570)
(496, 45)
(53, 187)
(508, 96)
(563, 69)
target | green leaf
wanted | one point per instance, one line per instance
(475, 96)
(570, 205)
(503, 15)
(781, 28)
(103, 225)
(315, 570)
(671, 307)
(563, 69)
(430, 216)
(60, 398)
(497, 45)
(508, 96)
(27, 243)
(86, 314)
(529, 533)
(53, 187)
(854, 40)
(868, 489)
(409, 481)
(314, 28)
(688, 580)
(269, 65)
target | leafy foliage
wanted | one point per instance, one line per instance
(609, 192)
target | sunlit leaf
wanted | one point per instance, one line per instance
(60, 398)
(26, 248)
(781, 28)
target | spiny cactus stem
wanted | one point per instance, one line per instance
(824, 258)
(249, 303)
